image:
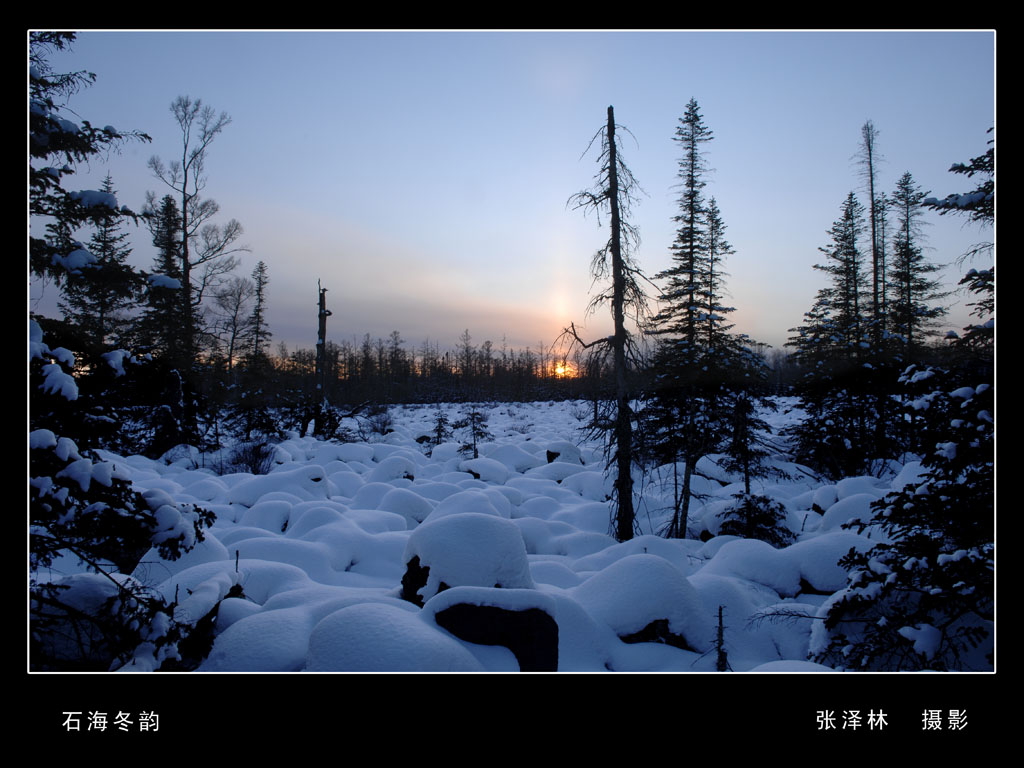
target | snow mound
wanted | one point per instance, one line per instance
(469, 549)
(756, 561)
(409, 504)
(380, 637)
(817, 559)
(791, 666)
(637, 590)
(305, 482)
(465, 502)
(488, 470)
(850, 508)
(514, 458)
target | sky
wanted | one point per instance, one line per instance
(422, 177)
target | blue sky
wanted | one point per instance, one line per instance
(422, 177)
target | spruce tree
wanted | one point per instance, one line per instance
(681, 302)
(923, 599)
(57, 146)
(698, 365)
(261, 334)
(720, 344)
(161, 326)
(910, 276)
(844, 264)
(86, 522)
(98, 297)
(475, 429)
(840, 373)
(978, 205)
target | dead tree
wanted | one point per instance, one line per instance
(614, 192)
(319, 424)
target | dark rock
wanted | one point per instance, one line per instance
(657, 632)
(413, 580)
(531, 634)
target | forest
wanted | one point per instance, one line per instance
(166, 427)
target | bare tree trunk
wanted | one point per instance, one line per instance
(321, 367)
(869, 160)
(623, 418)
(614, 187)
(681, 522)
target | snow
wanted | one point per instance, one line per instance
(115, 359)
(470, 549)
(163, 281)
(92, 198)
(74, 260)
(639, 589)
(382, 637)
(316, 551)
(42, 438)
(925, 638)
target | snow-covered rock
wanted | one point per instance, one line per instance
(469, 549)
(637, 590)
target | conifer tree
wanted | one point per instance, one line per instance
(698, 364)
(719, 344)
(442, 430)
(844, 264)
(261, 334)
(57, 146)
(160, 329)
(978, 205)
(475, 427)
(832, 351)
(910, 275)
(98, 297)
(681, 298)
(86, 522)
(923, 598)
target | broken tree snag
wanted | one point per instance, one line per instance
(321, 341)
(321, 368)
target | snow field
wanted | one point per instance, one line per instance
(320, 546)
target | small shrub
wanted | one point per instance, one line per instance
(377, 422)
(256, 458)
(757, 517)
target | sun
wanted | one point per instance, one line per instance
(563, 370)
